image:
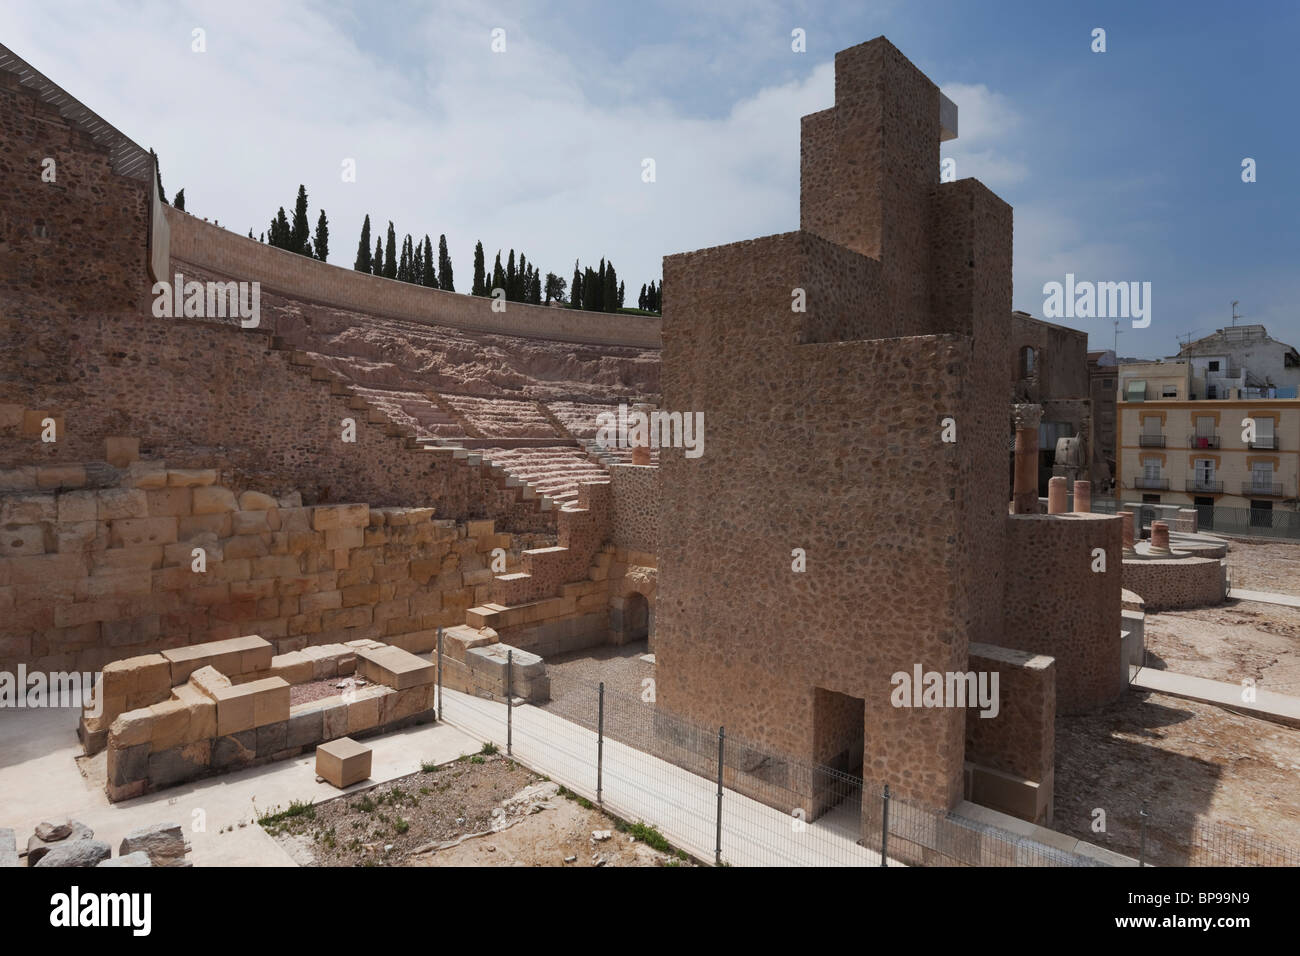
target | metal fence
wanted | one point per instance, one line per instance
(723, 799)
(1221, 520)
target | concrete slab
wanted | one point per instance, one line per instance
(1265, 597)
(1267, 705)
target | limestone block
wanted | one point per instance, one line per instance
(120, 452)
(213, 499)
(256, 501)
(249, 522)
(234, 750)
(168, 767)
(342, 539)
(28, 509)
(394, 667)
(272, 738)
(185, 478)
(146, 678)
(60, 476)
(169, 502)
(217, 525)
(246, 706)
(364, 708)
(145, 474)
(78, 506)
(125, 765)
(132, 727)
(332, 517)
(163, 843)
(170, 725)
(456, 641)
(334, 718)
(295, 667)
(76, 853)
(307, 728)
(343, 762)
(134, 532)
(203, 712)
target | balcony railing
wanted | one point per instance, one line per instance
(1155, 484)
(1205, 487)
(1261, 489)
(1195, 441)
(1267, 444)
(1151, 441)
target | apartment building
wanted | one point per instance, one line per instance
(1177, 447)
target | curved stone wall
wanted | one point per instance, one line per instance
(239, 257)
(1170, 584)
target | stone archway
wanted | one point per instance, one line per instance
(632, 613)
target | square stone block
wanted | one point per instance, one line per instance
(343, 762)
(394, 667)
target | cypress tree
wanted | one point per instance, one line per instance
(404, 261)
(378, 262)
(498, 276)
(430, 277)
(446, 281)
(620, 295)
(322, 243)
(390, 253)
(537, 287)
(640, 300)
(591, 289)
(600, 288)
(280, 231)
(480, 279)
(522, 279)
(363, 248)
(609, 294)
(301, 231)
(179, 200)
(510, 278)
(575, 290)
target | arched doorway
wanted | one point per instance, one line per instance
(636, 617)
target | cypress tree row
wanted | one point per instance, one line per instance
(378, 262)
(430, 276)
(390, 253)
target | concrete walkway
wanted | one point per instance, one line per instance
(1265, 597)
(1267, 705)
(41, 779)
(683, 806)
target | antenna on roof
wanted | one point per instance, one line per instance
(1235, 316)
(1117, 335)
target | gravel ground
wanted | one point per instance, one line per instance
(1265, 565)
(1230, 642)
(1195, 764)
(320, 689)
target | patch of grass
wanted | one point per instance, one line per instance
(401, 826)
(645, 833)
(273, 821)
(576, 798)
(489, 749)
(365, 804)
(428, 766)
(425, 791)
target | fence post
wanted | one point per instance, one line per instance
(1142, 840)
(510, 710)
(884, 829)
(717, 847)
(600, 741)
(440, 673)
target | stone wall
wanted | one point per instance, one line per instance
(244, 259)
(1057, 605)
(95, 574)
(635, 521)
(1020, 741)
(1170, 584)
(217, 719)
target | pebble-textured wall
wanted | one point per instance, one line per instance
(824, 434)
(636, 506)
(1057, 605)
(1169, 584)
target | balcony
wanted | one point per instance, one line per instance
(1202, 441)
(1153, 484)
(1260, 489)
(1201, 486)
(1265, 444)
(1151, 441)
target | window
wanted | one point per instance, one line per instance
(1214, 366)
(1211, 391)
(1027, 362)
(1169, 391)
(1107, 383)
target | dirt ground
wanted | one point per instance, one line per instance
(1231, 642)
(1265, 565)
(481, 810)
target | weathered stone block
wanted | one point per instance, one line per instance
(213, 499)
(343, 762)
(120, 451)
(234, 750)
(330, 517)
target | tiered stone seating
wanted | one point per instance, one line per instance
(414, 410)
(555, 472)
(503, 417)
(580, 417)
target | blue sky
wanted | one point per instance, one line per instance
(1123, 165)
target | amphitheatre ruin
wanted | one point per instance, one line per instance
(388, 516)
